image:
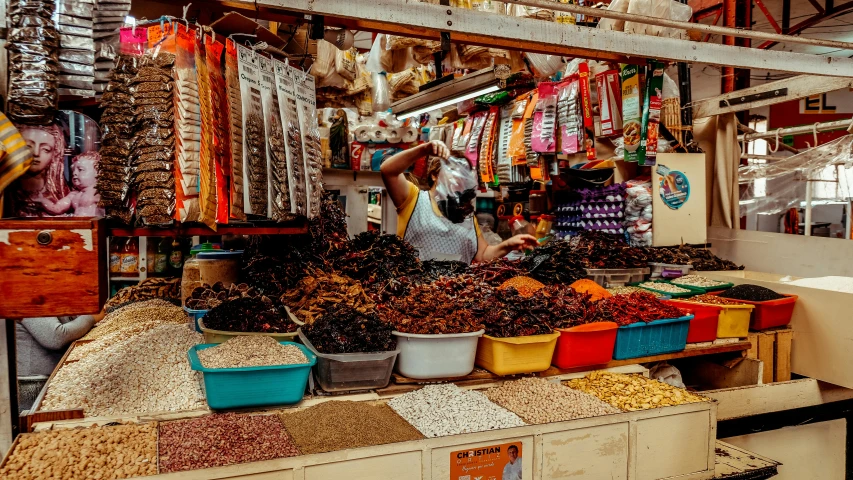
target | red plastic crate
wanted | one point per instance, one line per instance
(771, 313)
(585, 345)
(703, 327)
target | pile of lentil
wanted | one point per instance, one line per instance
(630, 290)
(751, 293)
(712, 300)
(341, 425)
(439, 410)
(633, 308)
(145, 374)
(249, 314)
(118, 451)
(525, 286)
(135, 313)
(697, 281)
(664, 287)
(632, 392)
(594, 290)
(536, 400)
(222, 439)
(250, 351)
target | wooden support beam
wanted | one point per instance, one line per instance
(424, 20)
(801, 86)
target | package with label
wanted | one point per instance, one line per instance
(278, 192)
(255, 180)
(306, 103)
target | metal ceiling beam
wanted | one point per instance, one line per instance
(771, 93)
(415, 19)
(829, 11)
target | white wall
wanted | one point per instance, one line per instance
(813, 451)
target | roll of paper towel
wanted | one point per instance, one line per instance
(410, 134)
(362, 133)
(394, 134)
(378, 134)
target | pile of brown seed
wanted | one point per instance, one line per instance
(135, 313)
(250, 351)
(120, 451)
(537, 400)
(339, 425)
(219, 440)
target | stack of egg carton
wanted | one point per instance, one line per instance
(601, 209)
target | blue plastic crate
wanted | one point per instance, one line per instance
(654, 338)
(253, 386)
(196, 315)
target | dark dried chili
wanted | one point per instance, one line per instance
(249, 314)
(446, 306)
(602, 250)
(344, 330)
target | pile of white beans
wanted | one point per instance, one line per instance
(439, 410)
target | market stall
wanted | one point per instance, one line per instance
(354, 355)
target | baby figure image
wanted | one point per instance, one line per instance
(83, 200)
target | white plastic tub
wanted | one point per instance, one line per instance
(437, 356)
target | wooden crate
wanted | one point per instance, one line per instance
(627, 446)
(773, 348)
(52, 267)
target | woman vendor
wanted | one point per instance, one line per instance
(421, 222)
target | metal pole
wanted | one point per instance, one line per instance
(821, 127)
(663, 22)
(849, 213)
(808, 227)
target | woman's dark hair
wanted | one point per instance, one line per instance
(428, 180)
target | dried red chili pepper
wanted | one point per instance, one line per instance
(633, 308)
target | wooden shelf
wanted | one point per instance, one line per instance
(480, 375)
(299, 227)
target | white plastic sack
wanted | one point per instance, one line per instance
(374, 58)
(666, 373)
(611, 23)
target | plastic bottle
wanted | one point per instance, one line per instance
(130, 258)
(176, 258)
(161, 257)
(116, 246)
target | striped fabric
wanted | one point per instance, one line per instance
(15, 156)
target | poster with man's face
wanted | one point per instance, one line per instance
(61, 182)
(488, 462)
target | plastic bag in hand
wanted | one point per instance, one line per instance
(456, 189)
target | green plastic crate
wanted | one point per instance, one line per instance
(253, 386)
(691, 293)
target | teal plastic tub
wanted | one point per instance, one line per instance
(253, 386)
(195, 316)
(654, 338)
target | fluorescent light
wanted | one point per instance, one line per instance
(446, 103)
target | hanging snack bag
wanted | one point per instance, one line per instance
(651, 113)
(306, 103)
(543, 138)
(221, 130)
(610, 102)
(569, 118)
(632, 114)
(503, 162)
(289, 116)
(254, 152)
(586, 109)
(279, 191)
(207, 171)
(487, 146)
(187, 127)
(472, 147)
(235, 120)
(460, 139)
(515, 149)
